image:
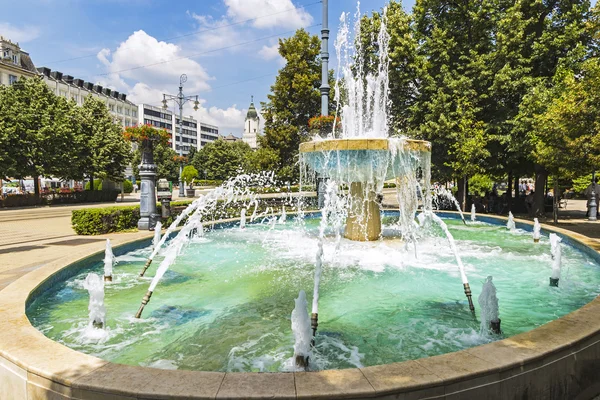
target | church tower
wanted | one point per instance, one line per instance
(251, 126)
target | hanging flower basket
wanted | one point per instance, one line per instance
(180, 159)
(146, 133)
(323, 125)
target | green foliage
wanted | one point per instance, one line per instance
(188, 174)
(581, 183)
(97, 185)
(23, 200)
(127, 186)
(98, 221)
(294, 99)
(37, 133)
(480, 184)
(262, 159)
(102, 148)
(221, 160)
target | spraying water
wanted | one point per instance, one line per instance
(109, 261)
(156, 238)
(441, 193)
(97, 312)
(473, 213)
(283, 217)
(510, 224)
(556, 252)
(488, 303)
(243, 219)
(301, 330)
(452, 243)
(536, 230)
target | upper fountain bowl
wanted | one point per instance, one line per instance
(365, 160)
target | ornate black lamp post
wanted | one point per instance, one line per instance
(148, 189)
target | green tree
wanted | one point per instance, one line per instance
(262, 159)
(221, 160)
(37, 134)
(188, 174)
(103, 150)
(294, 98)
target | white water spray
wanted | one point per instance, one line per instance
(97, 312)
(301, 328)
(488, 303)
(109, 261)
(473, 213)
(510, 224)
(283, 217)
(536, 230)
(243, 219)
(156, 238)
(556, 252)
(452, 243)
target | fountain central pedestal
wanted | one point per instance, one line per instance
(364, 165)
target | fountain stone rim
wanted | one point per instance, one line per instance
(362, 144)
(31, 363)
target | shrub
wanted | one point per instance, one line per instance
(97, 221)
(24, 200)
(127, 186)
(97, 185)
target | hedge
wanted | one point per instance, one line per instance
(98, 221)
(127, 185)
(23, 200)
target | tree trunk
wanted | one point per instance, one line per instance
(556, 200)
(36, 186)
(541, 175)
(509, 190)
(460, 193)
(92, 180)
(517, 193)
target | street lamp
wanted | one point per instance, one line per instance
(180, 100)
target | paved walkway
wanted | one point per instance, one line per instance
(32, 237)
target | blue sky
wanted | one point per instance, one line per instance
(97, 40)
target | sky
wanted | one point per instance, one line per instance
(227, 48)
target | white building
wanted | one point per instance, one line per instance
(207, 133)
(251, 126)
(194, 134)
(14, 63)
(123, 111)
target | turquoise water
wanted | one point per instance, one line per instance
(225, 305)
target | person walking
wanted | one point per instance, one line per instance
(593, 188)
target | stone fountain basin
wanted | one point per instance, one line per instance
(364, 160)
(558, 360)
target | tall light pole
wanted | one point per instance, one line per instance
(180, 100)
(325, 60)
(324, 87)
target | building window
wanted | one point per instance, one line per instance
(127, 111)
(6, 53)
(12, 79)
(75, 98)
(63, 93)
(133, 113)
(120, 110)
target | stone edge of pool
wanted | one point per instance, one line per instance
(558, 360)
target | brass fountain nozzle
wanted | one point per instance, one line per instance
(554, 282)
(314, 323)
(302, 362)
(495, 326)
(469, 296)
(146, 267)
(145, 301)
(107, 278)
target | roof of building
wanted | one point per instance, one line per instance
(230, 138)
(251, 110)
(25, 62)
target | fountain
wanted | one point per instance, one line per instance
(97, 312)
(488, 303)
(301, 329)
(510, 224)
(243, 219)
(473, 213)
(283, 216)
(556, 252)
(536, 230)
(109, 262)
(156, 239)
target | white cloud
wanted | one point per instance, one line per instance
(268, 13)
(269, 52)
(159, 64)
(216, 34)
(15, 34)
(229, 120)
